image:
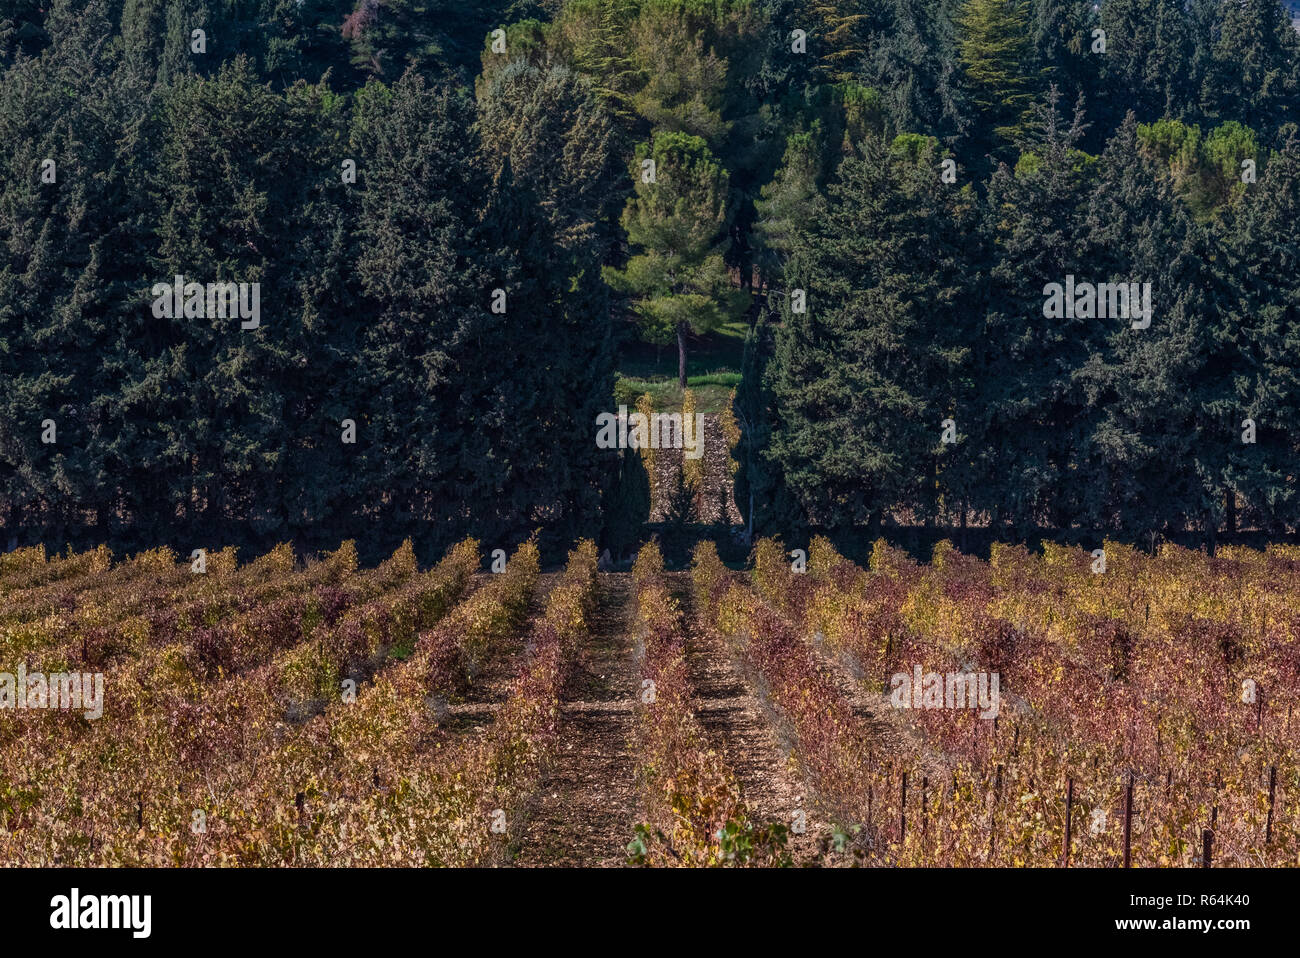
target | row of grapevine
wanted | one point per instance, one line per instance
(434, 798)
(165, 669)
(1122, 719)
(833, 743)
(341, 787)
(175, 737)
(695, 813)
(152, 599)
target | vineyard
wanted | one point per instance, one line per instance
(1130, 709)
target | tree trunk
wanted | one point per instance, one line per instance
(931, 493)
(681, 355)
(1230, 509)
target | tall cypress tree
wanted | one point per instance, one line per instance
(1061, 32)
(324, 317)
(1147, 64)
(426, 296)
(560, 141)
(1028, 430)
(1138, 472)
(71, 194)
(863, 376)
(549, 143)
(791, 199)
(1258, 342)
(224, 203)
(543, 373)
(1253, 73)
(913, 64)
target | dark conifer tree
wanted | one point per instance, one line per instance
(1028, 407)
(1138, 472)
(1147, 65)
(72, 188)
(426, 296)
(1253, 70)
(1258, 342)
(225, 207)
(914, 65)
(872, 338)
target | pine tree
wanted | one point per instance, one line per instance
(994, 51)
(677, 277)
(682, 78)
(1206, 170)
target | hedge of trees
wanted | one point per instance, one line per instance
(455, 211)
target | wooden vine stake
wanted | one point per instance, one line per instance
(997, 793)
(925, 781)
(1128, 821)
(1069, 809)
(1272, 791)
(902, 812)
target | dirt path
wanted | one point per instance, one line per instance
(740, 730)
(588, 805)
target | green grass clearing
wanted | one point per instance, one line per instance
(713, 365)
